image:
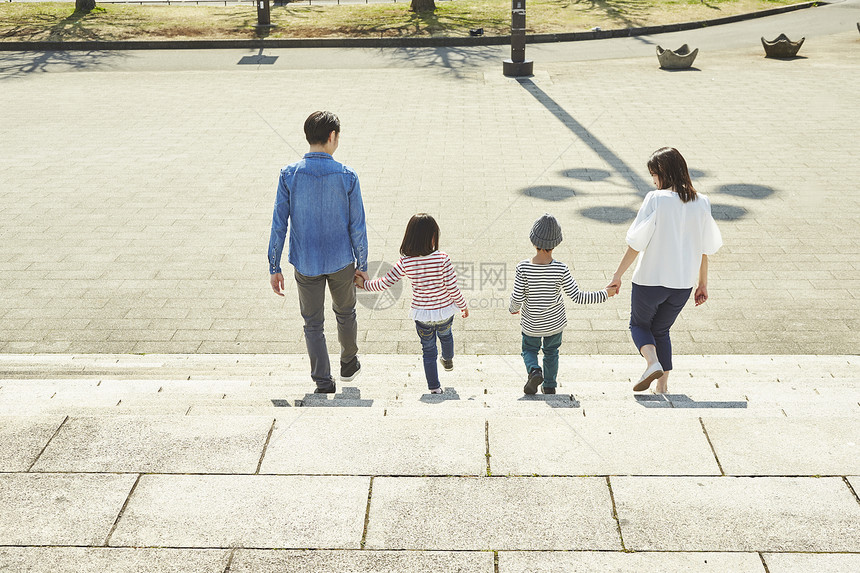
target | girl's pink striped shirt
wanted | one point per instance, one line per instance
(435, 294)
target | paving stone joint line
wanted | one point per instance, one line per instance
(48, 443)
(714, 451)
(122, 511)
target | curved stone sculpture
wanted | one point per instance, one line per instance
(679, 59)
(781, 47)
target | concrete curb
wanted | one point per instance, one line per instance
(392, 42)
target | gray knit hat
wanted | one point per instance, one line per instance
(546, 233)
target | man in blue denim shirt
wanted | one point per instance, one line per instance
(328, 240)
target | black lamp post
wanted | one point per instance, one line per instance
(263, 13)
(518, 65)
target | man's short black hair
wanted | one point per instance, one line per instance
(319, 125)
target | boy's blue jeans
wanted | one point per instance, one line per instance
(550, 344)
(427, 332)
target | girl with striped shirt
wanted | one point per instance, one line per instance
(538, 285)
(435, 295)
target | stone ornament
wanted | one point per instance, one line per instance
(781, 47)
(679, 59)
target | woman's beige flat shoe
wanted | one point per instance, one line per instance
(651, 373)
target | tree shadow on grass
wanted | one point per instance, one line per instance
(406, 25)
(79, 26)
(626, 13)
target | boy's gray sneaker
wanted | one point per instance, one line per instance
(535, 380)
(349, 370)
(548, 389)
(448, 365)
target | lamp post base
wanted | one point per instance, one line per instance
(517, 69)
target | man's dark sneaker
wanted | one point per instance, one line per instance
(349, 370)
(329, 389)
(547, 389)
(535, 380)
(448, 365)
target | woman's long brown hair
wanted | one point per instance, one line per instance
(669, 166)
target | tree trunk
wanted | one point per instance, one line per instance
(423, 6)
(84, 5)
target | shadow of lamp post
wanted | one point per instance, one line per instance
(518, 66)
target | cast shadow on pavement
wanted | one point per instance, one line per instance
(585, 174)
(447, 394)
(456, 59)
(611, 215)
(640, 185)
(349, 397)
(18, 64)
(549, 192)
(552, 400)
(682, 70)
(683, 401)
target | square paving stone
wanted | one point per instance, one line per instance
(569, 445)
(808, 562)
(737, 514)
(593, 561)
(382, 445)
(247, 561)
(67, 509)
(291, 512)
(491, 513)
(113, 560)
(22, 439)
(162, 444)
(786, 446)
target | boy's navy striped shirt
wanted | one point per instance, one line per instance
(537, 292)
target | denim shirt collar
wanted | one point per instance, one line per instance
(317, 155)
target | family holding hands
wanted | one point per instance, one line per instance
(672, 236)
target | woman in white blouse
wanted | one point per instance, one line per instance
(675, 232)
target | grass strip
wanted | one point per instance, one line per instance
(55, 21)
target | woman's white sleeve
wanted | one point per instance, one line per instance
(642, 229)
(712, 240)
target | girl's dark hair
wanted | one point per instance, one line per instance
(319, 125)
(669, 166)
(421, 237)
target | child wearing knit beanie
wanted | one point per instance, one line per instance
(538, 285)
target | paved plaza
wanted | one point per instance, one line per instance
(154, 413)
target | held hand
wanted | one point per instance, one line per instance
(277, 282)
(465, 313)
(611, 291)
(615, 284)
(363, 275)
(359, 281)
(701, 294)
